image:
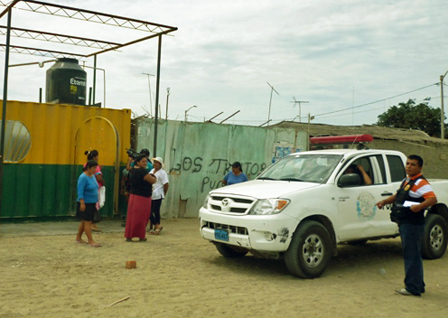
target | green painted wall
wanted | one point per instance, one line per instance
(42, 191)
(198, 155)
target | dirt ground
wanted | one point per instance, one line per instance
(179, 274)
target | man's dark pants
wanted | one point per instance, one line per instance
(411, 239)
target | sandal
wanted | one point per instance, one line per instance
(158, 230)
(143, 239)
(128, 239)
(152, 232)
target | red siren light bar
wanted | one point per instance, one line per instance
(341, 139)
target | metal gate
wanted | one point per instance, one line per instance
(100, 134)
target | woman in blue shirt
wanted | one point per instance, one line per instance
(236, 175)
(86, 203)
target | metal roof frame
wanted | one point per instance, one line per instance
(78, 14)
(40, 7)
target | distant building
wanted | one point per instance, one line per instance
(433, 150)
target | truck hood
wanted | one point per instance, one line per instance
(264, 189)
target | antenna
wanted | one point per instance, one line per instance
(150, 99)
(300, 106)
(270, 100)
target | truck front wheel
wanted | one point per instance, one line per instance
(230, 251)
(434, 237)
(310, 250)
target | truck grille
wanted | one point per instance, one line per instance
(227, 204)
(230, 228)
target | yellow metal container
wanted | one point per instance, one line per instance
(59, 135)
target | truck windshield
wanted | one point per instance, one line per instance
(305, 168)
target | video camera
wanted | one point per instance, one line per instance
(132, 153)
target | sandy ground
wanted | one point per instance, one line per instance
(181, 275)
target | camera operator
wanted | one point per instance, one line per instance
(133, 154)
(413, 197)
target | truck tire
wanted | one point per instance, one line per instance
(229, 251)
(309, 253)
(435, 237)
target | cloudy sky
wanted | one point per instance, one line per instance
(349, 59)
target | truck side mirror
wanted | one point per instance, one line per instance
(349, 180)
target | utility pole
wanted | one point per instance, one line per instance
(270, 100)
(310, 118)
(442, 111)
(167, 97)
(300, 106)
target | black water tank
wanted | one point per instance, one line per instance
(66, 83)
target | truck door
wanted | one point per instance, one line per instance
(358, 216)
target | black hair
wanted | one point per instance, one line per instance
(90, 164)
(237, 164)
(418, 158)
(139, 158)
(145, 152)
(91, 154)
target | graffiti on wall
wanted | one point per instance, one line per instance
(215, 170)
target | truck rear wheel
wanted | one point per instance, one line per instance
(435, 237)
(230, 251)
(309, 253)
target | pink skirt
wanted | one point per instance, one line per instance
(139, 211)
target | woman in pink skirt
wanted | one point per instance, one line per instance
(139, 206)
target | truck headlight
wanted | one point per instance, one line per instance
(205, 205)
(268, 206)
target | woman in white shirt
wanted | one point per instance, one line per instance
(159, 192)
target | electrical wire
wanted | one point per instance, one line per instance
(378, 108)
(324, 115)
(377, 101)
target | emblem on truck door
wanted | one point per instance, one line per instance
(365, 206)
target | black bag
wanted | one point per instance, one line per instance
(399, 214)
(96, 216)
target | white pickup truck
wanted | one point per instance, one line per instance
(307, 203)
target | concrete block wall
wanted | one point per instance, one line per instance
(435, 155)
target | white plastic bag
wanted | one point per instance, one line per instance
(101, 196)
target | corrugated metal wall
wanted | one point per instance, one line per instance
(198, 155)
(43, 183)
